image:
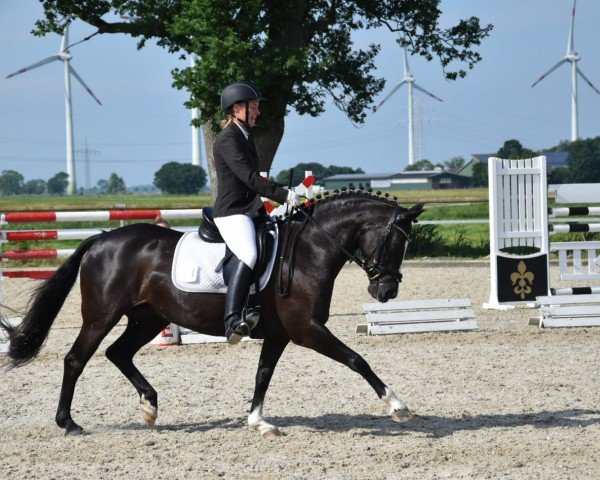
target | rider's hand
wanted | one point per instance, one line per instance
(293, 198)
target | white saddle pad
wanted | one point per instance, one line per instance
(195, 265)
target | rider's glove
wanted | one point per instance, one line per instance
(293, 198)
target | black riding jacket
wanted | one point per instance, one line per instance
(240, 183)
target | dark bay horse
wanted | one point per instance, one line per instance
(127, 271)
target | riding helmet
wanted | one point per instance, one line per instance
(237, 92)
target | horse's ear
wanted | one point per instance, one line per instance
(413, 212)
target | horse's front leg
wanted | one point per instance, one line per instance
(320, 339)
(269, 356)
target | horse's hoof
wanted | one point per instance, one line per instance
(272, 434)
(403, 415)
(149, 412)
(75, 431)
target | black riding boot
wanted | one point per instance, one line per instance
(236, 326)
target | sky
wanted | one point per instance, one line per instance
(143, 124)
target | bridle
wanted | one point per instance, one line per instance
(374, 269)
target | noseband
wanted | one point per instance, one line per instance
(374, 269)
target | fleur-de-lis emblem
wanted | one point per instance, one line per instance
(522, 279)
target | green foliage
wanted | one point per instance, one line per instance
(11, 182)
(425, 240)
(180, 178)
(563, 146)
(424, 165)
(299, 52)
(512, 149)
(559, 175)
(115, 184)
(319, 171)
(455, 162)
(584, 161)
(480, 175)
(102, 185)
(57, 185)
(429, 241)
(34, 187)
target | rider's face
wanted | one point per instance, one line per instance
(239, 109)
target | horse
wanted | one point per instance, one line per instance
(127, 272)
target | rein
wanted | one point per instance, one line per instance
(373, 270)
(284, 292)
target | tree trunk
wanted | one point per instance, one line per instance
(267, 140)
(209, 141)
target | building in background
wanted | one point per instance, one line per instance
(554, 160)
(414, 180)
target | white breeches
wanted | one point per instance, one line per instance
(240, 236)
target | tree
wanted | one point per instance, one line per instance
(115, 184)
(57, 185)
(335, 170)
(584, 161)
(301, 51)
(182, 178)
(562, 146)
(421, 165)
(316, 168)
(480, 175)
(512, 149)
(454, 162)
(319, 171)
(102, 185)
(11, 182)
(559, 175)
(34, 187)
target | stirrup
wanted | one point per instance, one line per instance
(251, 316)
(235, 329)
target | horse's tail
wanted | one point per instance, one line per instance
(27, 338)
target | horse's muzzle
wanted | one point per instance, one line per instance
(383, 291)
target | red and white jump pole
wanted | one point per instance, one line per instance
(98, 216)
(7, 236)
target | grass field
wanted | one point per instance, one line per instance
(462, 241)
(440, 204)
(100, 202)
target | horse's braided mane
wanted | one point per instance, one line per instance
(338, 195)
(360, 193)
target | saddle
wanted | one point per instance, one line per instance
(265, 242)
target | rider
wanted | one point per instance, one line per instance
(240, 187)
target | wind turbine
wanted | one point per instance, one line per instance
(410, 81)
(65, 57)
(572, 57)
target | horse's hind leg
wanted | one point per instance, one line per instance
(318, 338)
(144, 324)
(91, 334)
